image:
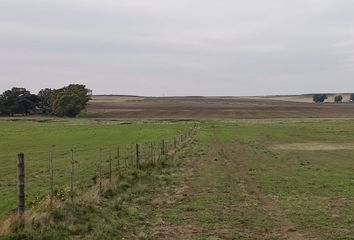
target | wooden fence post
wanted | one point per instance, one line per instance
(21, 184)
(137, 156)
(110, 165)
(118, 156)
(151, 154)
(100, 171)
(72, 177)
(132, 155)
(125, 157)
(163, 147)
(51, 179)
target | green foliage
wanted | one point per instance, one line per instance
(68, 101)
(17, 101)
(46, 100)
(67, 104)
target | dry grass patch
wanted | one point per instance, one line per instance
(314, 146)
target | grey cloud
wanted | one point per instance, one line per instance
(197, 47)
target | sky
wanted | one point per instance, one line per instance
(179, 47)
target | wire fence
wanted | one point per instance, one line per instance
(88, 167)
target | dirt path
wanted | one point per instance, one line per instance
(215, 197)
(285, 228)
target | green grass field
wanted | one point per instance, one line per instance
(36, 137)
(247, 179)
(308, 182)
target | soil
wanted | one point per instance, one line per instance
(125, 107)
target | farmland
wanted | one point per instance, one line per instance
(132, 107)
(286, 176)
(36, 137)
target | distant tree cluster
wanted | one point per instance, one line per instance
(320, 98)
(68, 101)
(338, 99)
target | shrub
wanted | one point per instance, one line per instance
(338, 99)
(319, 98)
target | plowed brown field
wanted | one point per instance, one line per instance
(213, 108)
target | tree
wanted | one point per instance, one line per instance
(338, 99)
(70, 101)
(27, 102)
(67, 104)
(319, 98)
(352, 97)
(17, 100)
(46, 100)
(66, 101)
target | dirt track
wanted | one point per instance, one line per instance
(212, 108)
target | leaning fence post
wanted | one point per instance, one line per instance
(137, 156)
(21, 184)
(72, 177)
(51, 179)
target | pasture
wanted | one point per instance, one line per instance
(36, 137)
(237, 179)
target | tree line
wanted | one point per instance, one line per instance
(68, 101)
(320, 98)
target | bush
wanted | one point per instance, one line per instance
(319, 98)
(338, 99)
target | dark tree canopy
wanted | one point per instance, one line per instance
(351, 97)
(338, 98)
(319, 98)
(46, 100)
(17, 101)
(67, 101)
(67, 104)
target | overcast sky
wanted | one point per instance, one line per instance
(179, 47)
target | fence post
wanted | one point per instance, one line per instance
(163, 147)
(132, 155)
(72, 177)
(125, 157)
(110, 165)
(21, 184)
(175, 143)
(137, 156)
(118, 156)
(51, 179)
(151, 154)
(100, 171)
